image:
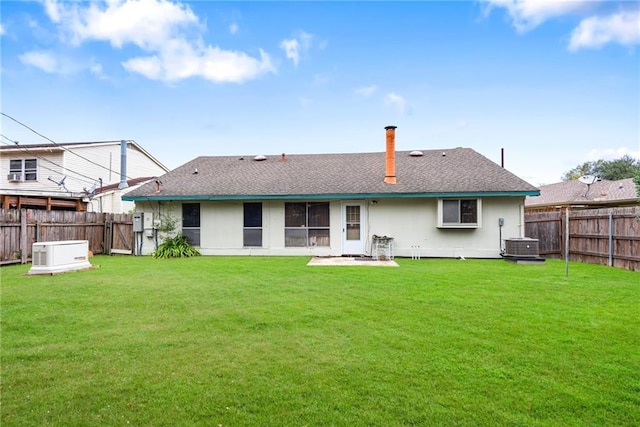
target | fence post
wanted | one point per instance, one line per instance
(23, 236)
(566, 243)
(561, 220)
(610, 238)
(106, 235)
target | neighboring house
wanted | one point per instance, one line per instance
(579, 195)
(81, 176)
(435, 203)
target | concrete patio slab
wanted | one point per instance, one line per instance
(351, 261)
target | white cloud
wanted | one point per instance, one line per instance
(2, 30)
(291, 48)
(612, 153)
(145, 23)
(528, 14)
(295, 46)
(305, 40)
(367, 90)
(52, 7)
(151, 67)
(97, 70)
(50, 62)
(595, 32)
(180, 60)
(45, 60)
(166, 30)
(234, 28)
(398, 102)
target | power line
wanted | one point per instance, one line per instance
(9, 139)
(26, 150)
(56, 144)
(30, 152)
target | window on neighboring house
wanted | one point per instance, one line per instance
(306, 224)
(27, 169)
(459, 213)
(191, 222)
(252, 231)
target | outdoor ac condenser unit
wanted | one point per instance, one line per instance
(521, 247)
(58, 257)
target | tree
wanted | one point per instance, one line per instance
(612, 170)
(624, 167)
(587, 168)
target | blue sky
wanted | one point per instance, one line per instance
(552, 83)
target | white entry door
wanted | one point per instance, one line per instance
(353, 228)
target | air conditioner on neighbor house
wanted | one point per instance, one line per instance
(14, 177)
(58, 257)
(521, 247)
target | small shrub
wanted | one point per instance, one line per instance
(175, 247)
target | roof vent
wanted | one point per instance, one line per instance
(416, 153)
(259, 158)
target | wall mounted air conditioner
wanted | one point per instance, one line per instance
(58, 257)
(521, 247)
(14, 177)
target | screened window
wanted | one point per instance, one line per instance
(353, 222)
(459, 213)
(191, 222)
(306, 224)
(26, 168)
(252, 231)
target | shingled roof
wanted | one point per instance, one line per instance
(600, 193)
(459, 171)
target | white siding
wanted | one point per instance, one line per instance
(94, 162)
(411, 222)
(49, 165)
(111, 201)
(140, 165)
(103, 161)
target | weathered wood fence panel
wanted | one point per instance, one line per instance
(10, 235)
(547, 228)
(608, 236)
(120, 231)
(19, 229)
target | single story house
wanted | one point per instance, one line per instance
(588, 193)
(435, 203)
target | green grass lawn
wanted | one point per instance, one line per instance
(238, 341)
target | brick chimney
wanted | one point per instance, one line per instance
(390, 170)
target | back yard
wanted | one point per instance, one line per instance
(270, 341)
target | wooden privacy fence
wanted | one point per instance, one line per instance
(20, 228)
(608, 236)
